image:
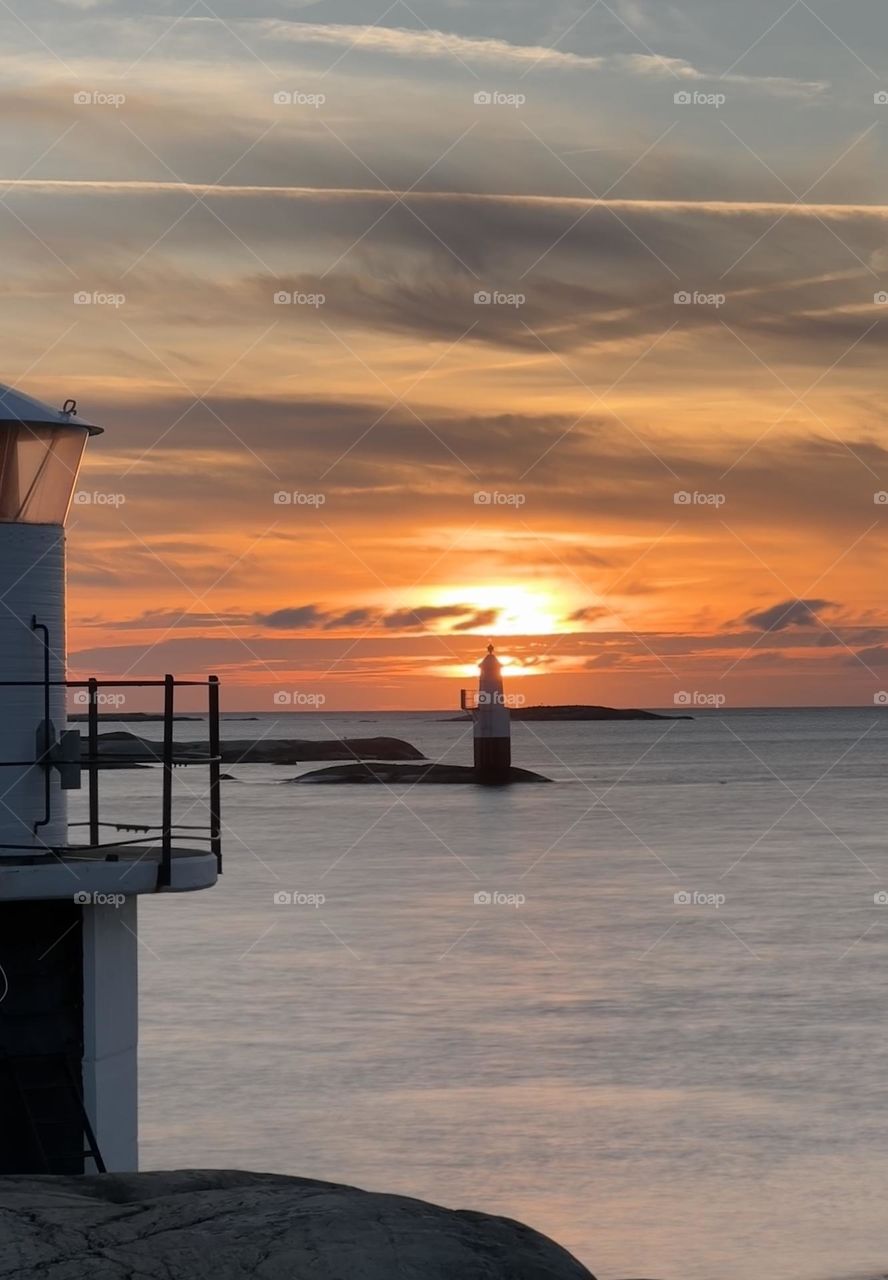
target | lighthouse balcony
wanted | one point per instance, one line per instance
(107, 856)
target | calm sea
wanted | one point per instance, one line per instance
(681, 1090)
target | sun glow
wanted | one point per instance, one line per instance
(520, 611)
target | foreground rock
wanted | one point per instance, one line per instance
(373, 771)
(225, 1225)
(124, 745)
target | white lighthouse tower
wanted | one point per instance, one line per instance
(68, 919)
(492, 722)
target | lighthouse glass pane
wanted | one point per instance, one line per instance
(38, 471)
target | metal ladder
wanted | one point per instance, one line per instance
(52, 1079)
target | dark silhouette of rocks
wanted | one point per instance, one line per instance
(225, 1225)
(582, 713)
(393, 774)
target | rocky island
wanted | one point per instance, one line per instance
(579, 712)
(225, 1225)
(387, 774)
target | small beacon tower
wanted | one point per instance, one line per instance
(68, 911)
(492, 722)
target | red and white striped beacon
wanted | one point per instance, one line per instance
(492, 722)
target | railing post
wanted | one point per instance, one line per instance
(215, 783)
(164, 875)
(93, 749)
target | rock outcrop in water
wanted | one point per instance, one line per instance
(583, 713)
(122, 745)
(226, 1225)
(392, 774)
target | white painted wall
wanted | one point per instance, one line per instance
(491, 717)
(32, 581)
(111, 1030)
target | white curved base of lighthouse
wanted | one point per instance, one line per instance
(82, 878)
(111, 1032)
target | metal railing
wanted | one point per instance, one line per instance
(94, 761)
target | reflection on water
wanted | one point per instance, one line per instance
(669, 1090)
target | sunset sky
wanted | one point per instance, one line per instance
(635, 494)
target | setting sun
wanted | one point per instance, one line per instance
(519, 611)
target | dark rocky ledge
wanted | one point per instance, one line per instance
(120, 745)
(392, 774)
(226, 1225)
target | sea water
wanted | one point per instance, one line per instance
(642, 1009)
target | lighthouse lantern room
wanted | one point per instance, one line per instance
(68, 911)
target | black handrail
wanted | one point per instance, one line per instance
(94, 762)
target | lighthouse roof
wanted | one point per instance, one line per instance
(490, 660)
(17, 407)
